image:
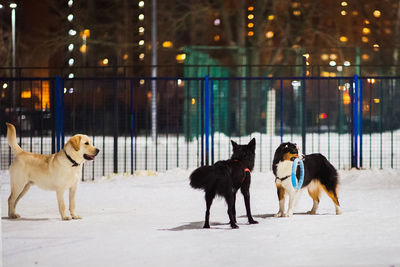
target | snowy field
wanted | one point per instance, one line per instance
(156, 221)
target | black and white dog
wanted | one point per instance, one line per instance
(319, 175)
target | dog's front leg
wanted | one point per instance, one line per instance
(61, 205)
(72, 192)
(292, 203)
(281, 197)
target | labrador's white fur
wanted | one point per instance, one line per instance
(50, 172)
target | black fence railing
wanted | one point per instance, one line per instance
(194, 127)
(199, 71)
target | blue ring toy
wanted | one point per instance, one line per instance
(296, 185)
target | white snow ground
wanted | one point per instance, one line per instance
(157, 220)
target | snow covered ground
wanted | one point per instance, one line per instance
(156, 221)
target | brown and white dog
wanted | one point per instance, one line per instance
(57, 172)
(319, 175)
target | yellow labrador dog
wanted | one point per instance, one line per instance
(57, 172)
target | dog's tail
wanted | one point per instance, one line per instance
(12, 139)
(202, 178)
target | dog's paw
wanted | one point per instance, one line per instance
(76, 217)
(14, 216)
(234, 226)
(66, 218)
(206, 226)
(338, 212)
(279, 214)
(288, 214)
(253, 222)
(311, 212)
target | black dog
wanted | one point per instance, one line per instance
(225, 177)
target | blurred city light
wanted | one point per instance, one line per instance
(85, 33)
(365, 56)
(366, 30)
(269, 34)
(167, 44)
(377, 13)
(180, 58)
(323, 116)
(83, 48)
(297, 13)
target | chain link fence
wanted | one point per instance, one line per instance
(197, 117)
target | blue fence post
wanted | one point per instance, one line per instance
(354, 154)
(58, 115)
(202, 123)
(360, 122)
(212, 120)
(207, 117)
(62, 139)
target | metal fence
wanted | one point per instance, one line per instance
(353, 121)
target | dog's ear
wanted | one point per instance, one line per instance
(252, 143)
(234, 144)
(76, 142)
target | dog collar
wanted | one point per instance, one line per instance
(74, 163)
(283, 178)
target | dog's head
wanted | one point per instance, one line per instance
(286, 151)
(244, 152)
(80, 148)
